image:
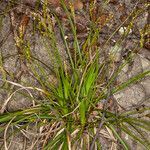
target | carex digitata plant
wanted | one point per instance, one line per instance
(75, 103)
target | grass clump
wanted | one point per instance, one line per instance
(75, 109)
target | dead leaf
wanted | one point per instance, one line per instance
(103, 19)
(23, 24)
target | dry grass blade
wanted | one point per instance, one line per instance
(5, 135)
(8, 99)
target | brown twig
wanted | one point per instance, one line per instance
(105, 106)
(102, 121)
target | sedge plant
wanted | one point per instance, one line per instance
(69, 106)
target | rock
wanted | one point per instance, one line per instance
(145, 64)
(130, 96)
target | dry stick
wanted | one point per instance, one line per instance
(106, 101)
(103, 35)
(102, 119)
